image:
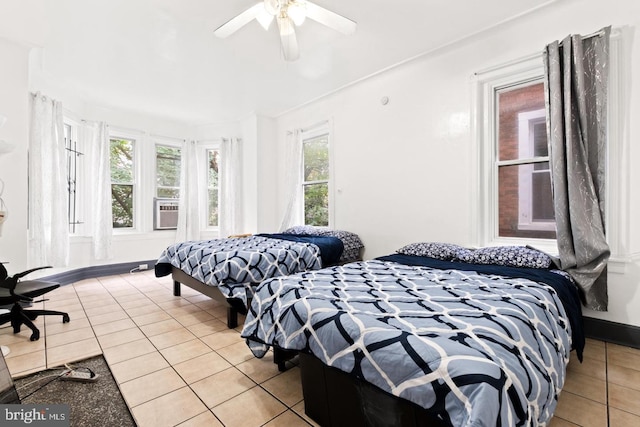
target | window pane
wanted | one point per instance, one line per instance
(214, 162)
(542, 209)
(513, 102)
(169, 193)
(213, 208)
(316, 159)
(122, 205)
(167, 171)
(525, 204)
(121, 161)
(213, 170)
(122, 180)
(316, 204)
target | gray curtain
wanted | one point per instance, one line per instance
(576, 90)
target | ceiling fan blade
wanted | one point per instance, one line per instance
(234, 24)
(330, 19)
(288, 38)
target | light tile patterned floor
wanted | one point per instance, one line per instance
(177, 364)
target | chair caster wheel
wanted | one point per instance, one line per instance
(35, 336)
(65, 318)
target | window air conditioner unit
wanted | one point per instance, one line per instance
(165, 214)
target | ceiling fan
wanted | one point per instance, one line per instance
(288, 15)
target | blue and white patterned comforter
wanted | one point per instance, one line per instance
(234, 264)
(475, 349)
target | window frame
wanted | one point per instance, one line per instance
(310, 134)
(169, 143)
(137, 184)
(485, 207)
(202, 148)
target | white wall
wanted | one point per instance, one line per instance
(405, 170)
(267, 183)
(13, 166)
(259, 174)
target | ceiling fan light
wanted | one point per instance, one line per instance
(297, 12)
(272, 6)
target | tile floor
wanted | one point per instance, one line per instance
(176, 362)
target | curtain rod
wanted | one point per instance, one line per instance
(598, 33)
(595, 34)
(310, 128)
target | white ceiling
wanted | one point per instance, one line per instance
(161, 57)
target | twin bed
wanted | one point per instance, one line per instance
(467, 338)
(229, 269)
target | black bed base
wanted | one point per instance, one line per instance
(281, 356)
(234, 306)
(334, 398)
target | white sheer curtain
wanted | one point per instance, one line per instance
(294, 212)
(191, 169)
(48, 211)
(98, 136)
(231, 217)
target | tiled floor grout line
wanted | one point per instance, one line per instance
(137, 327)
(232, 366)
(45, 335)
(80, 298)
(123, 293)
(157, 350)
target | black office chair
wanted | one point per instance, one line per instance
(18, 293)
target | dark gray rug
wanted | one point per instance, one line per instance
(97, 403)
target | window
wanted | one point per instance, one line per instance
(74, 158)
(168, 162)
(213, 202)
(525, 204)
(123, 183)
(315, 180)
(513, 196)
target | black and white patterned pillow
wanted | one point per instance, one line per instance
(464, 255)
(442, 251)
(509, 256)
(352, 244)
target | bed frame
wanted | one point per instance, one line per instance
(234, 306)
(335, 398)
